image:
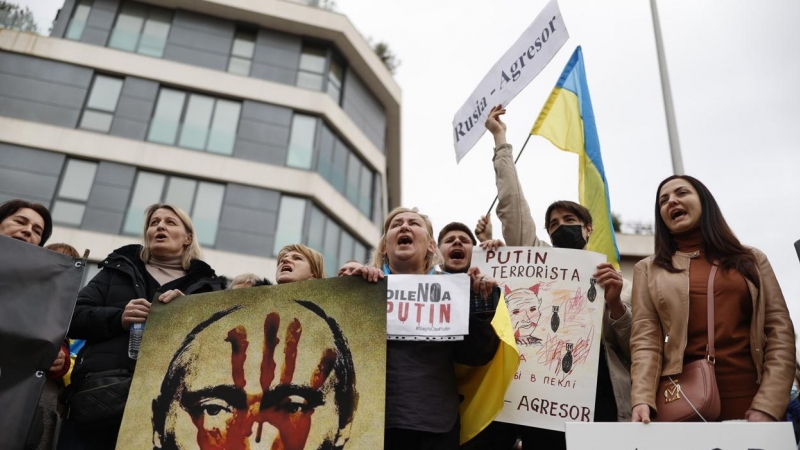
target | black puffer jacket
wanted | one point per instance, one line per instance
(98, 314)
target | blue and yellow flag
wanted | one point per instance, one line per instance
(567, 120)
(484, 387)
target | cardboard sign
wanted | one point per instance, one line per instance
(509, 76)
(556, 310)
(734, 435)
(427, 307)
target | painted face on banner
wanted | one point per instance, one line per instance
(255, 381)
(525, 308)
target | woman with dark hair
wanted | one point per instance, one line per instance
(26, 221)
(168, 265)
(753, 334)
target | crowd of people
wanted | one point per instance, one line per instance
(652, 327)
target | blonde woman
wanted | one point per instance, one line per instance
(168, 265)
(297, 262)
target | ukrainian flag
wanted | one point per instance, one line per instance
(567, 120)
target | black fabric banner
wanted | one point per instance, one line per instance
(38, 291)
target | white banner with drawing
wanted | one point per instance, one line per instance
(427, 307)
(510, 74)
(556, 310)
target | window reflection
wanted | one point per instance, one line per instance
(78, 22)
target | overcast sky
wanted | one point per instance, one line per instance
(734, 67)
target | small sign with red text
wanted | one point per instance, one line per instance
(427, 307)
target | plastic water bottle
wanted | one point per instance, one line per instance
(137, 329)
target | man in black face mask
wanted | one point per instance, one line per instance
(570, 226)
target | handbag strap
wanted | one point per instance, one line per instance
(710, 296)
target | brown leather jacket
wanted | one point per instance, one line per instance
(660, 319)
(519, 229)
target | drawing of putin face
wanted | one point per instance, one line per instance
(280, 381)
(525, 308)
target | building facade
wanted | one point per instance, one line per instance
(270, 122)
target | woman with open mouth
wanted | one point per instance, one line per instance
(168, 265)
(697, 256)
(297, 262)
(421, 397)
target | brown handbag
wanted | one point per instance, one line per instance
(693, 395)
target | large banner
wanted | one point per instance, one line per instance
(294, 367)
(427, 307)
(38, 291)
(734, 435)
(556, 310)
(508, 77)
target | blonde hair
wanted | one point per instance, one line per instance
(64, 248)
(190, 252)
(245, 278)
(431, 259)
(315, 258)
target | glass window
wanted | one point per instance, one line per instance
(244, 45)
(141, 29)
(180, 192)
(316, 229)
(194, 130)
(330, 250)
(146, 191)
(155, 32)
(312, 68)
(345, 249)
(73, 192)
(335, 77)
(290, 220)
(96, 121)
(353, 175)
(377, 200)
(340, 155)
(223, 127)
(103, 98)
(78, 21)
(78, 179)
(360, 253)
(167, 117)
(105, 93)
(301, 141)
(125, 35)
(207, 208)
(365, 191)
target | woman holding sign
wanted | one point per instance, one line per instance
(421, 397)
(699, 266)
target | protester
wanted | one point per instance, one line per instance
(456, 243)
(245, 280)
(753, 333)
(168, 265)
(348, 268)
(297, 262)
(25, 221)
(421, 396)
(569, 226)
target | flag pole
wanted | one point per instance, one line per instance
(669, 110)
(515, 163)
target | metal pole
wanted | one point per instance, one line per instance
(669, 110)
(515, 162)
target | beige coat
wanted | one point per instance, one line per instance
(519, 229)
(660, 321)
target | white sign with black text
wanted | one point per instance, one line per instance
(427, 307)
(509, 76)
(733, 435)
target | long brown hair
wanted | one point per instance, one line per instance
(719, 242)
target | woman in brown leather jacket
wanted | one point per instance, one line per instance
(753, 334)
